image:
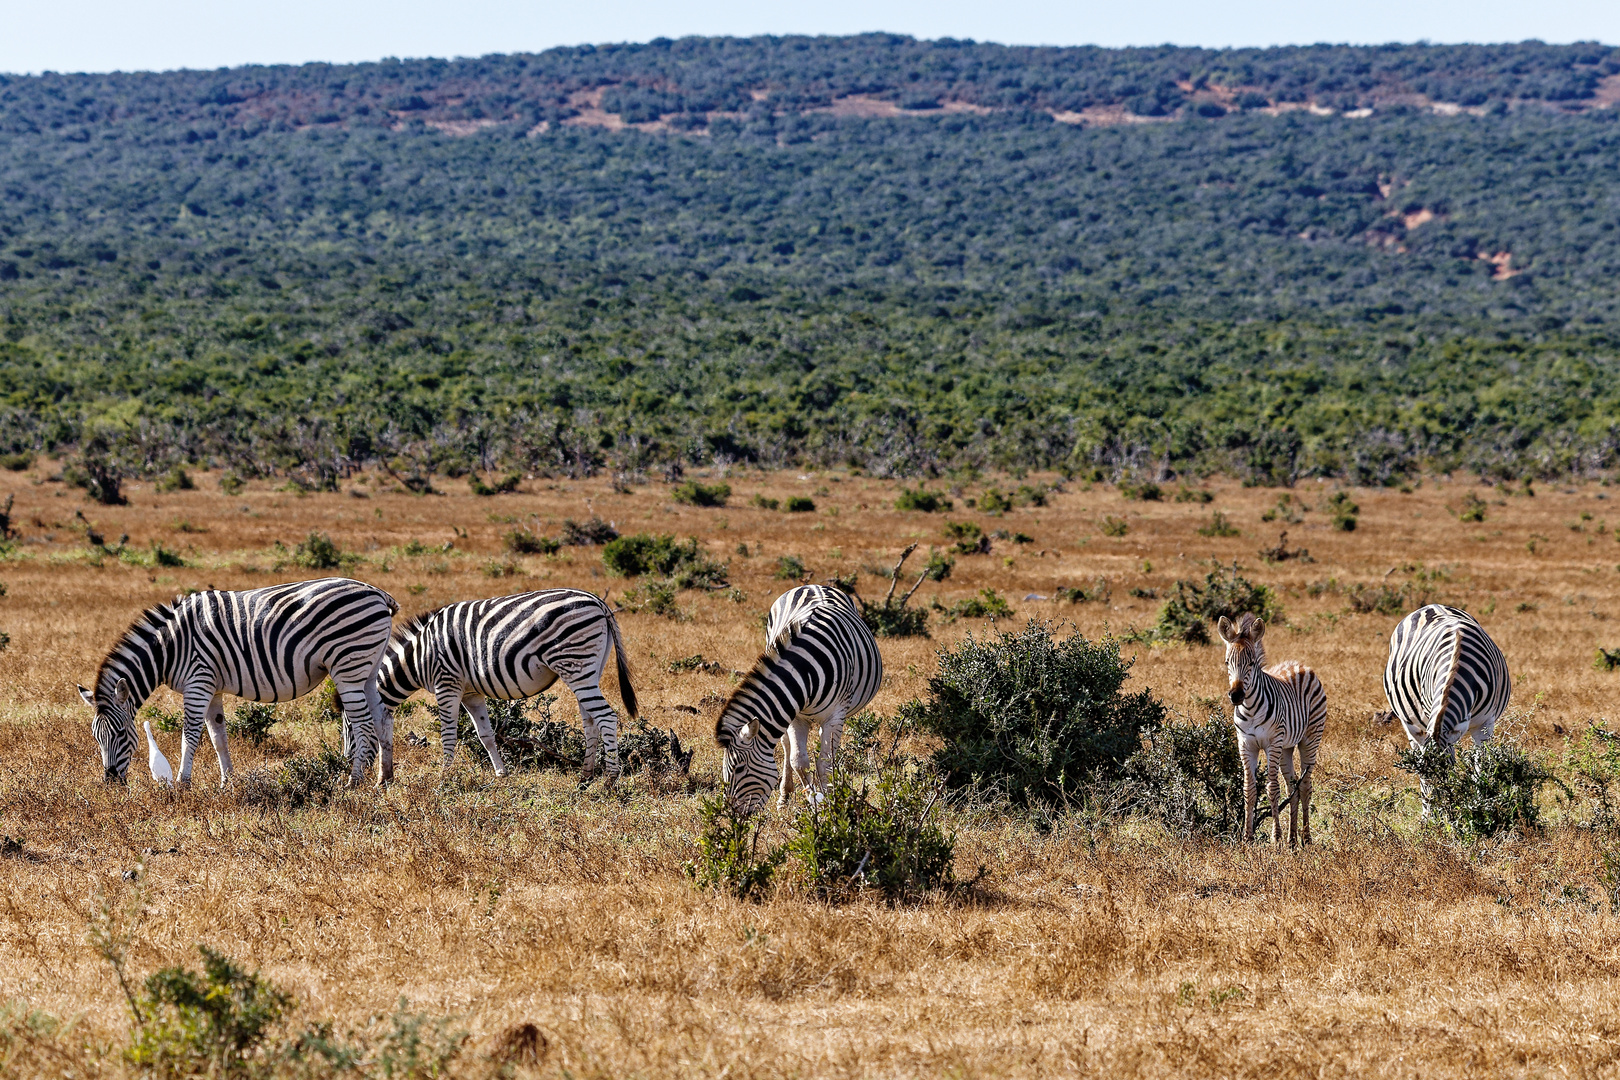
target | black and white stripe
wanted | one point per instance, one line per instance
(272, 644)
(510, 647)
(822, 664)
(1445, 677)
(1281, 710)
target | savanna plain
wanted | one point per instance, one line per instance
(1092, 942)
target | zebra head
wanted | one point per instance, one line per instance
(748, 764)
(113, 725)
(1245, 655)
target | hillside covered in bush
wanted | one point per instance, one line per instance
(912, 256)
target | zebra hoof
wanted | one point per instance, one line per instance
(500, 773)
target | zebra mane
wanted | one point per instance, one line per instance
(772, 654)
(153, 619)
(406, 630)
(1246, 634)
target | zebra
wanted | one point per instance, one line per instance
(271, 644)
(1445, 678)
(1279, 709)
(821, 664)
(510, 647)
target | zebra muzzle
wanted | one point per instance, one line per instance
(1236, 694)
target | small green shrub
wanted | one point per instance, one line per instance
(695, 662)
(1036, 717)
(1191, 606)
(499, 568)
(1219, 526)
(176, 479)
(765, 503)
(522, 541)
(967, 538)
(20, 462)
(252, 720)
(1099, 593)
(1344, 511)
(1145, 492)
(1114, 526)
(878, 834)
(693, 493)
(588, 533)
(655, 596)
(1473, 508)
(1190, 776)
(162, 719)
(162, 556)
(1030, 496)
(800, 504)
(1607, 659)
(644, 553)
(1479, 791)
(1288, 509)
(504, 486)
(1386, 599)
(527, 735)
(989, 604)
(790, 568)
(922, 501)
(1592, 762)
(310, 779)
(318, 551)
(211, 1024)
(893, 618)
(100, 477)
(994, 503)
(1194, 495)
(231, 484)
(729, 859)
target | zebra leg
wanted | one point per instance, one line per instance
(215, 718)
(1304, 801)
(479, 708)
(1272, 793)
(384, 719)
(1251, 788)
(797, 757)
(831, 732)
(1293, 797)
(362, 729)
(448, 697)
(191, 731)
(601, 722)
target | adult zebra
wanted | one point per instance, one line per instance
(271, 644)
(511, 647)
(821, 664)
(1445, 677)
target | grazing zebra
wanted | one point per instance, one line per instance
(821, 664)
(1445, 677)
(510, 647)
(1278, 709)
(272, 644)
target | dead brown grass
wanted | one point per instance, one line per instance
(1385, 950)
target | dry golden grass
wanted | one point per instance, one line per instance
(1385, 950)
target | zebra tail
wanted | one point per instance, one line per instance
(626, 691)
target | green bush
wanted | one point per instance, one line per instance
(162, 719)
(1344, 511)
(1100, 593)
(1479, 791)
(1190, 776)
(765, 503)
(252, 720)
(989, 604)
(684, 563)
(893, 618)
(1114, 526)
(1219, 526)
(1194, 495)
(693, 493)
(1473, 508)
(231, 484)
(100, 477)
(1191, 606)
(729, 859)
(921, 500)
(1607, 659)
(878, 834)
(800, 504)
(967, 538)
(527, 735)
(19, 462)
(318, 551)
(994, 502)
(211, 1024)
(521, 541)
(655, 596)
(1034, 716)
(1146, 492)
(176, 479)
(790, 568)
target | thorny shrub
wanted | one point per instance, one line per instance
(1480, 791)
(588, 533)
(253, 721)
(522, 541)
(693, 493)
(1191, 607)
(685, 563)
(1189, 776)
(920, 500)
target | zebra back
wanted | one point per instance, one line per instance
(1445, 675)
(820, 660)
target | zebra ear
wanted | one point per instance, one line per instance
(1257, 630)
(122, 692)
(752, 727)
(89, 698)
(1224, 627)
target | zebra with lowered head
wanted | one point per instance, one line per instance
(821, 664)
(271, 644)
(510, 647)
(1445, 677)
(1280, 709)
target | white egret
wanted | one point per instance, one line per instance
(155, 759)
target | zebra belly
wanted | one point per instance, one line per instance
(509, 686)
(280, 688)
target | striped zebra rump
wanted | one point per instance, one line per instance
(1445, 677)
(508, 648)
(271, 644)
(821, 664)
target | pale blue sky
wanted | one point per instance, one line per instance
(107, 35)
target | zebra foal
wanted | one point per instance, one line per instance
(510, 647)
(821, 664)
(1445, 677)
(272, 644)
(1278, 709)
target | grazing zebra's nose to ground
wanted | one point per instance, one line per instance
(272, 644)
(822, 664)
(1280, 710)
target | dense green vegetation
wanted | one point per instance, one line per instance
(182, 278)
